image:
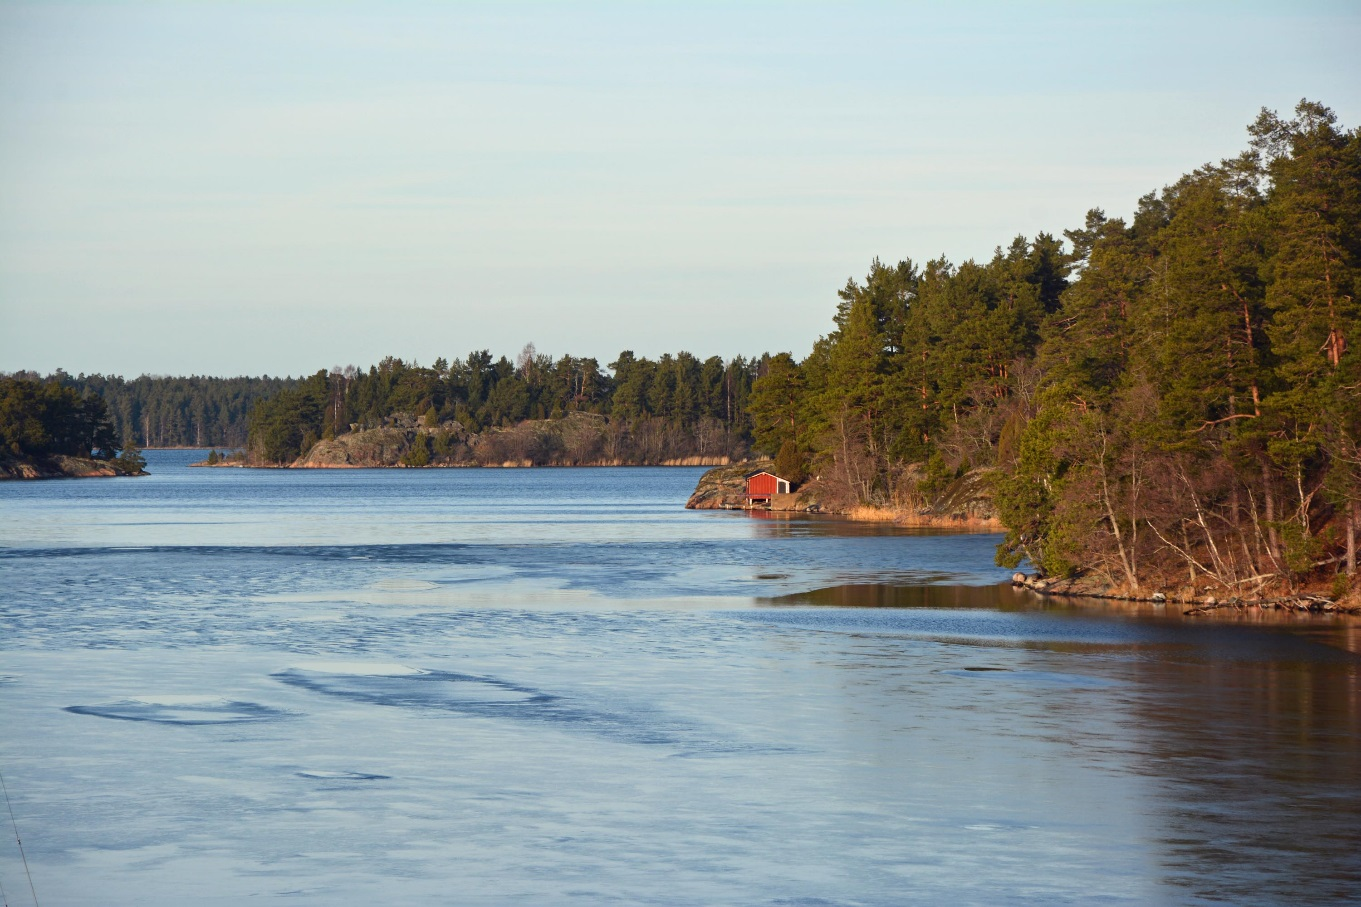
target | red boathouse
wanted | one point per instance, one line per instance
(761, 486)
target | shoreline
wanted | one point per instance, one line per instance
(1299, 602)
(1083, 588)
(916, 520)
(684, 462)
(60, 466)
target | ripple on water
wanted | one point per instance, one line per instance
(184, 710)
(319, 775)
(400, 685)
(491, 697)
(1011, 675)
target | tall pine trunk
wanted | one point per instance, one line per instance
(1353, 517)
(1269, 503)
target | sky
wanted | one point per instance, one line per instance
(277, 188)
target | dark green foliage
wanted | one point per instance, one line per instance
(286, 425)
(789, 463)
(44, 419)
(177, 412)
(130, 461)
(921, 363)
(698, 407)
(777, 403)
(280, 418)
(419, 454)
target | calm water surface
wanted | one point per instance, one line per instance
(557, 686)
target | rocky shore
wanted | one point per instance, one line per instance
(1189, 601)
(59, 467)
(964, 503)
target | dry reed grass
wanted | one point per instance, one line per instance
(906, 517)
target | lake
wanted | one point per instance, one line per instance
(557, 686)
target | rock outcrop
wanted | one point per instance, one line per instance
(965, 502)
(58, 467)
(388, 445)
(1092, 585)
(966, 499)
(725, 488)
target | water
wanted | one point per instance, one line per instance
(557, 686)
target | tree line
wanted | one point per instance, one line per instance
(164, 411)
(1176, 395)
(672, 407)
(40, 420)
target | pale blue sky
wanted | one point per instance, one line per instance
(281, 187)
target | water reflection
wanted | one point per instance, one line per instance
(767, 524)
(938, 591)
(1259, 765)
(1247, 730)
(941, 590)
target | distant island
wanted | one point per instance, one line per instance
(576, 439)
(535, 411)
(51, 431)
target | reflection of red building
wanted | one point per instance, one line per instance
(761, 486)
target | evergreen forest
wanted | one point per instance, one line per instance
(1173, 395)
(674, 407)
(165, 411)
(40, 421)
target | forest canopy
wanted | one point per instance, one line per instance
(1177, 393)
(164, 411)
(675, 406)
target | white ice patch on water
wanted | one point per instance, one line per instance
(176, 699)
(183, 710)
(403, 585)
